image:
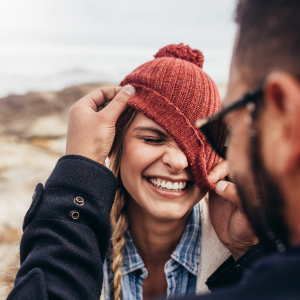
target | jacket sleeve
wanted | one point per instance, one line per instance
(66, 233)
(231, 272)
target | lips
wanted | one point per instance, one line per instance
(166, 185)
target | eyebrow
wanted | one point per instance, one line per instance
(153, 129)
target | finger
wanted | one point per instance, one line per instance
(119, 103)
(106, 103)
(220, 159)
(219, 172)
(109, 94)
(98, 97)
(228, 191)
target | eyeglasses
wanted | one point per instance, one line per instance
(209, 125)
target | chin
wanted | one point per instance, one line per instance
(168, 212)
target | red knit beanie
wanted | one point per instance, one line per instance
(174, 92)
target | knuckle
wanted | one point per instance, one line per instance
(88, 99)
(103, 117)
(122, 98)
(73, 109)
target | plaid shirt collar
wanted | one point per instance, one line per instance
(187, 252)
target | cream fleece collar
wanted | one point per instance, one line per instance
(212, 252)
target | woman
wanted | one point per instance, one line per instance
(161, 162)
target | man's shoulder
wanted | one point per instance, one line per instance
(287, 263)
(274, 277)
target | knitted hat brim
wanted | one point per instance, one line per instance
(163, 112)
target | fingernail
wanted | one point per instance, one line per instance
(221, 186)
(129, 89)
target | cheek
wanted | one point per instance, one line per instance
(136, 158)
(239, 159)
(238, 150)
(271, 148)
(131, 166)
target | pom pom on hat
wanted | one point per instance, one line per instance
(183, 52)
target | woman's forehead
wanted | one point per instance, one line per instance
(142, 121)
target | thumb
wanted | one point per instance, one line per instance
(220, 171)
(119, 103)
(228, 191)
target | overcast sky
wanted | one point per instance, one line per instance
(135, 22)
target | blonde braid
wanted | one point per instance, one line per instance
(118, 214)
(118, 241)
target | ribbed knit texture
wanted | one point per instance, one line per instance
(175, 92)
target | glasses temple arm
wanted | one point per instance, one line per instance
(250, 97)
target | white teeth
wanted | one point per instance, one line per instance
(169, 185)
(176, 186)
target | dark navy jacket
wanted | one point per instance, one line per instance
(67, 233)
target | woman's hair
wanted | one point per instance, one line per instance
(118, 214)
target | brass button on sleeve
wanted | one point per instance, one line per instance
(74, 214)
(79, 200)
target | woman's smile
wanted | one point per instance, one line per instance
(167, 187)
(171, 185)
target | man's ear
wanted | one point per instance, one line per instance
(282, 96)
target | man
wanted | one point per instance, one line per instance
(263, 156)
(264, 148)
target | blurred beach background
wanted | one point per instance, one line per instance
(53, 52)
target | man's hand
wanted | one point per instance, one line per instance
(227, 216)
(92, 120)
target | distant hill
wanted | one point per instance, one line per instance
(18, 113)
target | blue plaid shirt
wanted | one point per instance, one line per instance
(181, 270)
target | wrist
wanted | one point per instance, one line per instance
(237, 254)
(96, 158)
(241, 244)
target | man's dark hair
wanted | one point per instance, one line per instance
(269, 38)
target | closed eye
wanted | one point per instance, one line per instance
(152, 140)
(152, 135)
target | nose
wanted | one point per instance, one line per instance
(175, 160)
